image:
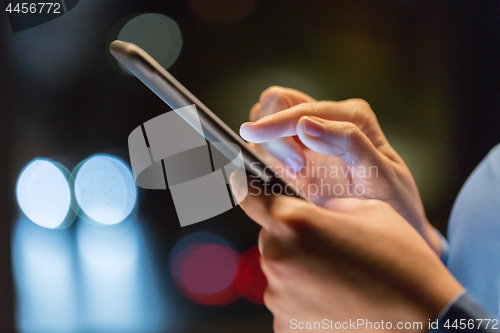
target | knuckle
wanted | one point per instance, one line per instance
(272, 92)
(363, 108)
(352, 134)
(323, 106)
(361, 104)
(311, 108)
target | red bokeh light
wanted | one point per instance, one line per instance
(205, 273)
(207, 270)
(250, 281)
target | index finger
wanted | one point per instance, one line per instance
(284, 123)
(275, 99)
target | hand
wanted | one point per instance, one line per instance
(335, 149)
(358, 260)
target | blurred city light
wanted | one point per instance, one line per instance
(250, 281)
(44, 274)
(204, 267)
(157, 34)
(106, 282)
(43, 194)
(119, 286)
(105, 189)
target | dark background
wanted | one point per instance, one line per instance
(430, 70)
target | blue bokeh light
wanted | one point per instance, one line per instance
(43, 193)
(119, 284)
(46, 284)
(105, 189)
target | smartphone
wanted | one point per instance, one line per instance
(165, 86)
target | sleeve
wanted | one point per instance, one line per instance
(465, 314)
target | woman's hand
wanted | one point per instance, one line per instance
(357, 260)
(334, 150)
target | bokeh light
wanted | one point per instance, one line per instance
(204, 267)
(250, 281)
(110, 251)
(105, 189)
(44, 274)
(109, 264)
(120, 286)
(157, 34)
(222, 11)
(43, 193)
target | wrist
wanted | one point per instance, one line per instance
(447, 290)
(437, 290)
(434, 239)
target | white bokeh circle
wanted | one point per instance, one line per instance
(105, 189)
(43, 193)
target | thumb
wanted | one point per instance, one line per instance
(337, 138)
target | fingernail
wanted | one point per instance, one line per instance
(244, 130)
(293, 163)
(314, 128)
(245, 125)
(237, 187)
(234, 184)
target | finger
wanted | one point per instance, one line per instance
(287, 150)
(275, 99)
(337, 138)
(255, 203)
(344, 205)
(271, 246)
(273, 161)
(263, 235)
(267, 208)
(283, 124)
(254, 112)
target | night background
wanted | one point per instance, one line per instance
(429, 69)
